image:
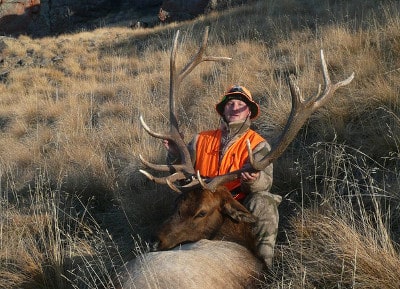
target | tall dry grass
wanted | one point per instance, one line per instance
(71, 194)
(349, 237)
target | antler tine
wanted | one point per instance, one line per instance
(172, 83)
(199, 57)
(152, 133)
(329, 88)
(170, 136)
(165, 180)
(162, 168)
(222, 179)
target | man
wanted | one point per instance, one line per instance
(217, 152)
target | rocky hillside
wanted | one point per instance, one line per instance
(38, 18)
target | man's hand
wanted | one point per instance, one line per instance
(249, 177)
(171, 147)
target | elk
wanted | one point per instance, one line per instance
(205, 209)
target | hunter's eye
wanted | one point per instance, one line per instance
(201, 214)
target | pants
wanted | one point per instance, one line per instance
(264, 206)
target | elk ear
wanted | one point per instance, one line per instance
(238, 212)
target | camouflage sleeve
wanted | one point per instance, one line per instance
(264, 181)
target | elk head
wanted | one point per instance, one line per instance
(205, 208)
(202, 214)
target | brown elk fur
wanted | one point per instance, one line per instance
(202, 214)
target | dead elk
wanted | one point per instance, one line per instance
(205, 209)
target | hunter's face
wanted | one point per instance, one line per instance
(236, 110)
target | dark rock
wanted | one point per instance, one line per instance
(139, 24)
(3, 45)
(4, 75)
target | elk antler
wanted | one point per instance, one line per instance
(300, 112)
(185, 169)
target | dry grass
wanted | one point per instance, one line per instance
(343, 233)
(332, 248)
(70, 138)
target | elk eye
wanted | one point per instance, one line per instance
(201, 214)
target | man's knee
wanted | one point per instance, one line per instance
(265, 208)
(263, 204)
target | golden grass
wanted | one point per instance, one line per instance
(341, 232)
(332, 247)
(70, 107)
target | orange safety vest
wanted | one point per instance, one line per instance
(207, 155)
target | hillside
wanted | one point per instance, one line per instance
(70, 140)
